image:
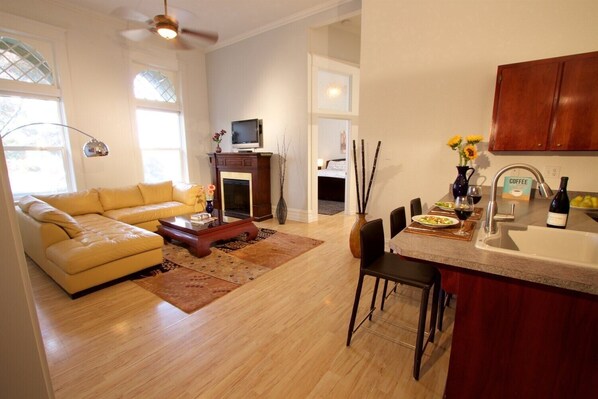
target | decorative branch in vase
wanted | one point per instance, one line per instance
(281, 207)
(363, 197)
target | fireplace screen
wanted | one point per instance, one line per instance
(236, 198)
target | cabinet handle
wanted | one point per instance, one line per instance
(559, 144)
(539, 144)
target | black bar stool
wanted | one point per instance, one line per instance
(376, 262)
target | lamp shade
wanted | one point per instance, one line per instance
(95, 148)
(320, 162)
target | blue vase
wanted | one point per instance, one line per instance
(462, 181)
(210, 206)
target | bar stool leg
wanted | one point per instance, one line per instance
(355, 306)
(419, 344)
(373, 305)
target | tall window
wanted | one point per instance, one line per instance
(159, 127)
(37, 157)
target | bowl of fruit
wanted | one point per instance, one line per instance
(584, 202)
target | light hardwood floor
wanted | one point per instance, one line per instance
(280, 336)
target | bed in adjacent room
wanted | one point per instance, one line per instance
(331, 181)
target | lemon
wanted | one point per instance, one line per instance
(594, 202)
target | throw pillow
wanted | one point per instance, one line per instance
(46, 213)
(155, 193)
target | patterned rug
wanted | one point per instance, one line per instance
(190, 283)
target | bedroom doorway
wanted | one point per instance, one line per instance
(334, 124)
(332, 164)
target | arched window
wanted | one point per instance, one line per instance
(159, 130)
(21, 62)
(37, 157)
(154, 86)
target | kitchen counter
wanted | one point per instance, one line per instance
(523, 328)
(465, 255)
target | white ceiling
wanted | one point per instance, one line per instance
(231, 19)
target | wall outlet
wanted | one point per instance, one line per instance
(552, 172)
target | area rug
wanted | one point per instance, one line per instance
(190, 283)
(330, 207)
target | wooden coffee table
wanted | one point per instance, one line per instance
(200, 237)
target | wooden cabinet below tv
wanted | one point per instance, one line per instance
(547, 105)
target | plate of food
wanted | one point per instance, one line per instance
(446, 206)
(434, 221)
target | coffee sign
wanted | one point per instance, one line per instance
(517, 188)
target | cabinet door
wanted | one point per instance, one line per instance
(523, 103)
(575, 126)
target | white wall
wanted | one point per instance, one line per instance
(428, 72)
(329, 138)
(99, 99)
(24, 369)
(266, 77)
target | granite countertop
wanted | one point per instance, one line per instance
(464, 254)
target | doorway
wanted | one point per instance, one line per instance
(334, 124)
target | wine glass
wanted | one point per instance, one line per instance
(463, 209)
(475, 192)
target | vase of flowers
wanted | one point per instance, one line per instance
(467, 153)
(210, 199)
(217, 138)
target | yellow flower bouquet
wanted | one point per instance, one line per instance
(467, 150)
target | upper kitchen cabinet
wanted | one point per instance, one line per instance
(549, 104)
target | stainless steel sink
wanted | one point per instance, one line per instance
(564, 246)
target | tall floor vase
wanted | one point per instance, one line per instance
(354, 239)
(281, 210)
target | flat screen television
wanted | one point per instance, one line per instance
(247, 134)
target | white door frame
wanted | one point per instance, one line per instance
(317, 63)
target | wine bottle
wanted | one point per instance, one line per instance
(559, 207)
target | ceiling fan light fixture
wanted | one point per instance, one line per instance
(167, 31)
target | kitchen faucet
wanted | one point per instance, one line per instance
(543, 188)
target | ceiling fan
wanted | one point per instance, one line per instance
(165, 25)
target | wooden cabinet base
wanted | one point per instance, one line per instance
(514, 339)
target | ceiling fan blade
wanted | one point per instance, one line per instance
(210, 37)
(183, 17)
(131, 15)
(181, 44)
(136, 35)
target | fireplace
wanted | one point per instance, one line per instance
(236, 194)
(253, 168)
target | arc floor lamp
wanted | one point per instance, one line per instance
(93, 148)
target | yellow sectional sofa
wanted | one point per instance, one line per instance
(88, 238)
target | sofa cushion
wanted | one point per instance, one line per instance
(188, 194)
(154, 193)
(78, 203)
(26, 201)
(43, 212)
(146, 213)
(122, 197)
(103, 240)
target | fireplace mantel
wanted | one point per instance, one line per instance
(256, 163)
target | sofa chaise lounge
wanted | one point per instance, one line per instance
(88, 238)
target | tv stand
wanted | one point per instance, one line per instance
(245, 151)
(255, 163)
